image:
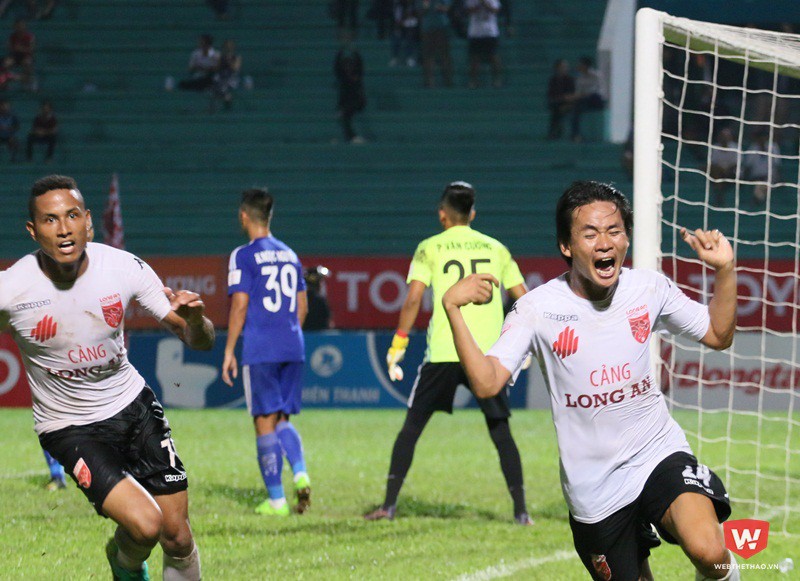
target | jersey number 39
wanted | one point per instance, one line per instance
(282, 281)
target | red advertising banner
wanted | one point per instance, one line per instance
(367, 292)
(14, 391)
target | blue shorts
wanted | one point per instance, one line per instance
(273, 387)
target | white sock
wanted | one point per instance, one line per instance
(299, 475)
(277, 502)
(130, 554)
(182, 568)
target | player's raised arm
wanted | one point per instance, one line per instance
(486, 375)
(715, 250)
(187, 319)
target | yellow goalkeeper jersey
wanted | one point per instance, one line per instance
(442, 260)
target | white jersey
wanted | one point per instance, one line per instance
(71, 339)
(611, 420)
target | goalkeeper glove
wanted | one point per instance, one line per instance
(395, 355)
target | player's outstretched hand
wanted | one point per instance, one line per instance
(187, 304)
(230, 368)
(476, 288)
(395, 355)
(711, 247)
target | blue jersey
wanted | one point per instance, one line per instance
(270, 273)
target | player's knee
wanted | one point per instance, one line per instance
(177, 540)
(145, 527)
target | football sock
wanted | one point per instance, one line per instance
(130, 554)
(270, 460)
(510, 462)
(292, 446)
(182, 568)
(403, 454)
(56, 469)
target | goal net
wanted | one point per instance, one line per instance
(716, 128)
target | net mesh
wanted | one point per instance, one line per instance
(730, 160)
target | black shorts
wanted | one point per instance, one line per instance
(137, 442)
(619, 544)
(483, 47)
(435, 388)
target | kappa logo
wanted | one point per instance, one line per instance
(559, 317)
(746, 537)
(32, 305)
(113, 311)
(82, 474)
(601, 567)
(640, 327)
(566, 344)
(44, 330)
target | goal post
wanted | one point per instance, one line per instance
(716, 133)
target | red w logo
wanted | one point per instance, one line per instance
(566, 344)
(44, 329)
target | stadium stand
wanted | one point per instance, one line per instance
(104, 62)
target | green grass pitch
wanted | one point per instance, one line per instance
(454, 515)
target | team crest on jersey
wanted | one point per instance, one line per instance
(82, 474)
(113, 312)
(640, 327)
(601, 566)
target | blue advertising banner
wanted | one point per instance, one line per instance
(343, 370)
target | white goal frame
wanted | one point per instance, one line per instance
(768, 53)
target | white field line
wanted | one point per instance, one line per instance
(508, 569)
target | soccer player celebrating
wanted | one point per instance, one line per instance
(440, 261)
(625, 463)
(269, 303)
(93, 412)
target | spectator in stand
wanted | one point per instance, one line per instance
(21, 48)
(44, 130)
(722, 163)
(560, 92)
(483, 34)
(9, 125)
(349, 70)
(203, 65)
(588, 94)
(6, 73)
(220, 8)
(435, 35)
(319, 312)
(762, 165)
(226, 79)
(405, 37)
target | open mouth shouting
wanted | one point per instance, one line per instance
(605, 267)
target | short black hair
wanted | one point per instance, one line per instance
(459, 197)
(581, 193)
(257, 203)
(48, 184)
